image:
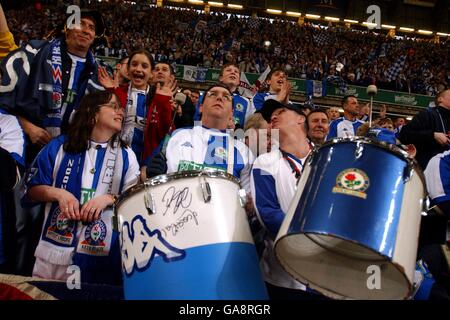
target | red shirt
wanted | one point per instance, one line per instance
(158, 120)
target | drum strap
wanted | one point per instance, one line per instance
(291, 163)
(230, 160)
(442, 122)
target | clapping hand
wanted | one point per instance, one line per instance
(283, 95)
(105, 80)
(167, 89)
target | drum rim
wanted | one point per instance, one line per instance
(164, 178)
(384, 145)
(316, 286)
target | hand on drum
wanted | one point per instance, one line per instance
(143, 175)
(157, 165)
(249, 207)
(92, 209)
(412, 151)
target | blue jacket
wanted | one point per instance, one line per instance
(26, 86)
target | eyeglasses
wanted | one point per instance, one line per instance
(215, 94)
(115, 106)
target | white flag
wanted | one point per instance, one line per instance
(245, 88)
(194, 74)
(262, 77)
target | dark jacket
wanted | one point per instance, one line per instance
(27, 77)
(186, 119)
(420, 132)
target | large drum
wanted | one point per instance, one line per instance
(352, 229)
(186, 236)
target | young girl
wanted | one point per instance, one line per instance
(78, 177)
(139, 102)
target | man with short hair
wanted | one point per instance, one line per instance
(333, 113)
(163, 73)
(279, 89)
(364, 111)
(347, 125)
(429, 130)
(195, 95)
(273, 182)
(318, 126)
(122, 71)
(398, 124)
(61, 73)
(208, 145)
(242, 108)
(161, 120)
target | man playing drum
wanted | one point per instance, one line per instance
(208, 145)
(273, 183)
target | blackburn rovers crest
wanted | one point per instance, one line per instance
(353, 182)
(61, 229)
(94, 238)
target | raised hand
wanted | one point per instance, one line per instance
(167, 89)
(37, 135)
(105, 80)
(283, 95)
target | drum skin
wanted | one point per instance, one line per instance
(356, 213)
(188, 248)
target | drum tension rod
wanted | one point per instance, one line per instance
(242, 197)
(149, 203)
(206, 190)
(359, 149)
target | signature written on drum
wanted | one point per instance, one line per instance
(181, 222)
(174, 199)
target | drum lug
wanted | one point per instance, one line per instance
(242, 197)
(426, 206)
(359, 149)
(149, 202)
(206, 190)
(409, 171)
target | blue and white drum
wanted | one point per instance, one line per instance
(186, 236)
(351, 231)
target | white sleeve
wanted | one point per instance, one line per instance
(133, 172)
(250, 109)
(173, 152)
(12, 138)
(433, 178)
(246, 172)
